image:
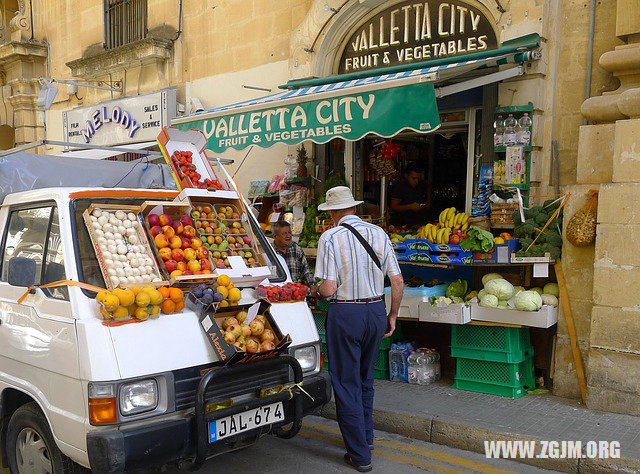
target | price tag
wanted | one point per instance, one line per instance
(540, 270)
(274, 217)
(252, 313)
(237, 263)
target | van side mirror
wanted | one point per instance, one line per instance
(22, 271)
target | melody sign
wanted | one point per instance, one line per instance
(411, 31)
(351, 116)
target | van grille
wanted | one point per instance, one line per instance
(186, 384)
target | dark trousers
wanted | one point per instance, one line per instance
(354, 332)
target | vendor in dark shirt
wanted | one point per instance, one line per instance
(408, 206)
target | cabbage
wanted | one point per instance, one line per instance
(549, 300)
(537, 290)
(457, 288)
(500, 288)
(503, 305)
(551, 289)
(481, 293)
(489, 301)
(528, 301)
(517, 289)
(490, 276)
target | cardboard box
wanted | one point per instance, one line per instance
(448, 314)
(545, 259)
(546, 317)
(229, 354)
(422, 251)
(171, 139)
(500, 253)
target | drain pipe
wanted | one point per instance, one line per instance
(592, 26)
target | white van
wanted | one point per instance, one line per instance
(59, 365)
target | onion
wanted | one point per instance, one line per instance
(115, 281)
(108, 235)
(122, 229)
(102, 240)
(126, 223)
(132, 217)
(106, 254)
(135, 271)
(111, 271)
(117, 263)
(148, 262)
(103, 220)
(122, 249)
(107, 227)
(112, 248)
(94, 219)
(133, 239)
(120, 272)
(130, 231)
(99, 232)
(96, 213)
(108, 262)
(113, 220)
(96, 225)
(137, 279)
(103, 247)
(124, 280)
(156, 279)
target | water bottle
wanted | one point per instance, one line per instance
(413, 366)
(510, 136)
(397, 364)
(425, 374)
(524, 129)
(498, 131)
(290, 167)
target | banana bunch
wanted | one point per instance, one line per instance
(448, 221)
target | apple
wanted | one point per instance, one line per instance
(224, 254)
(236, 225)
(188, 272)
(218, 230)
(196, 243)
(168, 231)
(198, 225)
(252, 345)
(177, 254)
(155, 230)
(189, 231)
(216, 254)
(165, 219)
(153, 220)
(182, 266)
(240, 253)
(178, 227)
(246, 246)
(195, 214)
(235, 215)
(186, 220)
(171, 265)
(175, 242)
(268, 335)
(218, 239)
(165, 253)
(213, 225)
(251, 260)
(204, 264)
(186, 242)
(231, 240)
(189, 254)
(194, 266)
(454, 239)
(161, 241)
(267, 346)
(202, 252)
(257, 327)
(246, 330)
(175, 273)
(220, 265)
(246, 240)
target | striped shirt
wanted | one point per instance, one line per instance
(343, 259)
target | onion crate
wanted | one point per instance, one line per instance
(496, 378)
(491, 343)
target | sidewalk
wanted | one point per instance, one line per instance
(440, 414)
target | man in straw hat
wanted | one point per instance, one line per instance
(353, 259)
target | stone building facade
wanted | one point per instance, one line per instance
(223, 51)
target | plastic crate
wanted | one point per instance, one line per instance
(326, 356)
(491, 343)
(491, 389)
(382, 362)
(381, 374)
(320, 320)
(504, 374)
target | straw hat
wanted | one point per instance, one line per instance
(338, 198)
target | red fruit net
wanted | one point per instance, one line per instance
(279, 294)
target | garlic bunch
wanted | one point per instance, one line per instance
(127, 260)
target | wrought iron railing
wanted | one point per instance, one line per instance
(125, 21)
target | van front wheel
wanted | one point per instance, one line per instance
(30, 445)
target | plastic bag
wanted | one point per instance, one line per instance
(581, 230)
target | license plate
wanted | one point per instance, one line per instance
(245, 421)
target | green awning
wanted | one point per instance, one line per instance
(516, 45)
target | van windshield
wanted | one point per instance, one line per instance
(87, 263)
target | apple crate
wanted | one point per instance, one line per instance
(175, 211)
(212, 322)
(109, 272)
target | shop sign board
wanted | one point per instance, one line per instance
(383, 112)
(410, 32)
(116, 122)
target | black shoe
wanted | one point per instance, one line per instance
(350, 462)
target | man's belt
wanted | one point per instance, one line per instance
(375, 299)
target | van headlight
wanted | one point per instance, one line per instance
(306, 357)
(138, 397)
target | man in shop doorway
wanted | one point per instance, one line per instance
(292, 254)
(353, 259)
(408, 200)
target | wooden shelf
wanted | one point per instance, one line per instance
(503, 149)
(471, 265)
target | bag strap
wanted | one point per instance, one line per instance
(365, 244)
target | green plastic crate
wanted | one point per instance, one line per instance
(490, 343)
(381, 374)
(380, 370)
(382, 362)
(320, 320)
(505, 374)
(491, 389)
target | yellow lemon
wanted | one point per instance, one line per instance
(156, 297)
(149, 289)
(224, 280)
(223, 291)
(132, 309)
(156, 310)
(141, 313)
(111, 302)
(127, 297)
(102, 295)
(135, 289)
(224, 303)
(234, 294)
(121, 312)
(143, 299)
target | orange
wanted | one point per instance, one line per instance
(176, 294)
(135, 289)
(234, 294)
(179, 306)
(224, 304)
(164, 291)
(223, 291)
(224, 280)
(168, 307)
(229, 286)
